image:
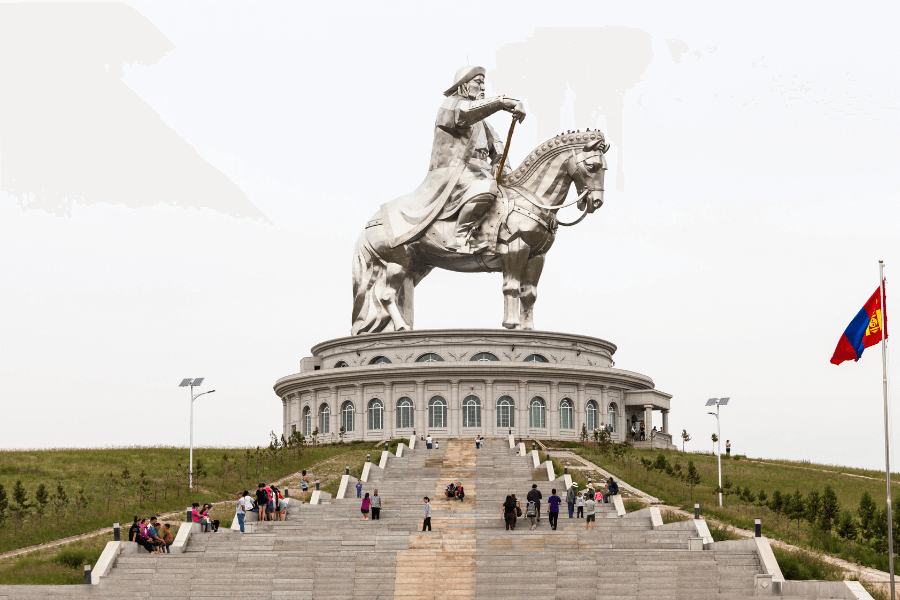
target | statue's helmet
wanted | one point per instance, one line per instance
(462, 76)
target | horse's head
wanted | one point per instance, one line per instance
(587, 169)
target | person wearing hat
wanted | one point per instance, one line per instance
(460, 183)
(570, 498)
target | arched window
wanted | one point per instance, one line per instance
(537, 413)
(307, 421)
(591, 414)
(484, 357)
(506, 416)
(613, 409)
(430, 357)
(565, 415)
(471, 412)
(404, 413)
(376, 414)
(380, 360)
(437, 412)
(340, 364)
(324, 419)
(347, 416)
(535, 358)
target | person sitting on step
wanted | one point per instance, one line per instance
(450, 491)
(460, 492)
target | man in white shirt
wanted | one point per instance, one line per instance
(284, 508)
(428, 442)
(245, 503)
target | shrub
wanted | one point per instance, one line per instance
(75, 558)
(803, 565)
(633, 504)
(671, 516)
(721, 532)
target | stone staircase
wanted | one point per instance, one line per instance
(328, 552)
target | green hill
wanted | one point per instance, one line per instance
(833, 509)
(102, 486)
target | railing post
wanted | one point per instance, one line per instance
(368, 457)
(758, 527)
(87, 574)
(317, 484)
(190, 516)
(347, 470)
(286, 493)
(697, 510)
(117, 533)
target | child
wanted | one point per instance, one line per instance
(359, 489)
(579, 502)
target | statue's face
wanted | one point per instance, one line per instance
(476, 87)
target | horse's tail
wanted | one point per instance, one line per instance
(369, 281)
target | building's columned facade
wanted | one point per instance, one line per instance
(465, 382)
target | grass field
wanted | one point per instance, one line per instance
(742, 475)
(106, 485)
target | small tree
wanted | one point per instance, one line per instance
(813, 507)
(584, 434)
(60, 500)
(831, 509)
(867, 514)
(685, 438)
(248, 458)
(776, 504)
(81, 502)
(226, 467)
(678, 474)
(166, 483)
(109, 486)
(199, 472)
(341, 433)
(846, 525)
(693, 477)
(660, 464)
(748, 496)
(124, 480)
(143, 487)
(22, 506)
(41, 497)
(761, 498)
(796, 509)
(604, 441)
(715, 439)
(4, 504)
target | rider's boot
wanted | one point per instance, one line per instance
(469, 215)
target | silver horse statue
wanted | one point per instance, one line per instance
(465, 219)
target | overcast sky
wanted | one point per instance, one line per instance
(181, 184)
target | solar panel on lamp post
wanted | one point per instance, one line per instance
(718, 402)
(192, 383)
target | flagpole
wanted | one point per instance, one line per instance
(887, 448)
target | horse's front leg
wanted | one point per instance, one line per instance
(395, 275)
(528, 289)
(514, 262)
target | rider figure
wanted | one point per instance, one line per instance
(461, 133)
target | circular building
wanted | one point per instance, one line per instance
(465, 382)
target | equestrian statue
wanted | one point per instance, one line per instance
(472, 213)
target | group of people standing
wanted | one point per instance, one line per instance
(586, 503)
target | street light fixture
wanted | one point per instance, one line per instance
(718, 402)
(192, 383)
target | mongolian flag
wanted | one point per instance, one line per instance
(864, 330)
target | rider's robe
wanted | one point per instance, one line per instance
(458, 171)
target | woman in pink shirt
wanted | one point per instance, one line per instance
(365, 507)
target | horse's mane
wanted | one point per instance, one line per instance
(552, 147)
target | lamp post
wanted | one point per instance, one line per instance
(718, 402)
(192, 383)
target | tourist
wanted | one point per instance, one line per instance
(136, 534)
(612, 489)
(240, 512)
(262, 501)
(426, 524)
(460, 492)
(531, 514)
(535, 496)
(437, 444)
(579, 502)
(570, 499)
(633, 431)
(508, 513)
(376, 506)
(518, 506)
(359, 489)
(428, 442)
(196, 515)
(477, 442)
(304, 486)
(643, 432)
(589, 514)
(270, 506)
(450, 491)
(155, 537)
(366, 503)
(728, 447)
(285, 505)
(553, 511)
(145, 540)
(167, 537)
(276, 501)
